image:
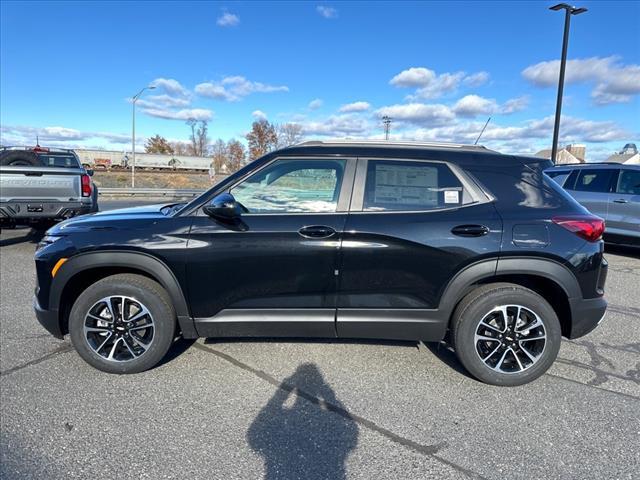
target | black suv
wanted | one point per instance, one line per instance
(338, 239)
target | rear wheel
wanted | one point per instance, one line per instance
(505, 334)
(122, 324)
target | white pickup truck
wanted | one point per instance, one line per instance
(39, 186)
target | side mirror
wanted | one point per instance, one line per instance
(90, 172)
(223, 207)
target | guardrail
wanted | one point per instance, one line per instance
(149, 192)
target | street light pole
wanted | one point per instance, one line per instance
(569, 10)
(133, 134)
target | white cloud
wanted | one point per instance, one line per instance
(413, 77)
(228, 20)
(473, 105)
(235, 88)
(184, 114)
(418, 113)
(476, 79)
(327, 12)
(57, 136)
(315, 104)
(430, 85)
(355, 107)
(259, 115)
(170, 86)
(338, 126)
(613, 82)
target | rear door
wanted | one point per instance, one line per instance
(624, 204)
(412, 225)
(593, 189)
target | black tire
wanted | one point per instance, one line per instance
(139, 289)
(94, 199)
(16, 158)
(477, 306)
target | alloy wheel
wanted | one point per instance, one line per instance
(119, 328)
(510, 339)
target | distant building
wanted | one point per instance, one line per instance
(629, 154)
(574, 153)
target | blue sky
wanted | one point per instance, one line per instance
(439, 69)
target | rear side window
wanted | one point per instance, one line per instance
(411, 186)
(593, 180)
(558, 177)
(629, 182)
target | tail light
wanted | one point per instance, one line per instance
(86, 185)
(588, 227)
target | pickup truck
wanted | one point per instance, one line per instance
(40, 186)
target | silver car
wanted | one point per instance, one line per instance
(609, 190)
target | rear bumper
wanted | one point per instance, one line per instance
(586, 315)
(32, 211)
(48, 319)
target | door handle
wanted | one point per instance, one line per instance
(470, 230)
(317, 231)
(621, 200)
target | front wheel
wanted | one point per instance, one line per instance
(505, 334)
(124, 323)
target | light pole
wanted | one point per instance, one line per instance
(133, 134)
(568, 11)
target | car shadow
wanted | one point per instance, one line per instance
(303, 431)
(178, 347)
(447, 355)
(30, 236)
(349, 341)
(627, 251)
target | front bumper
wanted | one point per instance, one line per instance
(586, 315)
(49, 319)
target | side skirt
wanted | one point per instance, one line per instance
(391, 324)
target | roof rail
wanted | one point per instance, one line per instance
(49, 149)
(391, 143)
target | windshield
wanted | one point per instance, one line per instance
(59, 160)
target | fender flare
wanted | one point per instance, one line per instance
(144, 262)
(459, 285)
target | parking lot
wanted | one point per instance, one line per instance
(242, 408)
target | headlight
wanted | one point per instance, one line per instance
(47, 240)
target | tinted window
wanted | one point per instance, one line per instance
(629, 182)
(68, 161)
(592, 180)
(400, 185)
(290, 186)
(559, 177)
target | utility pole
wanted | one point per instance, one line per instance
(133, 134)
(386, 121)
(568, 11)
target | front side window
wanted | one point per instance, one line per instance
(411, 186)
(629, 182)
(293, 186)
(592, 180)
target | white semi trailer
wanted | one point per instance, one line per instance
(114, 160)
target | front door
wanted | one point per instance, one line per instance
(273, 271)
(412, 226)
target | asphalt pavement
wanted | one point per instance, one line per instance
(286, 409)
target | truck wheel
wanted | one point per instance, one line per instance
(19, 158)
(505, 334)
(124, 323)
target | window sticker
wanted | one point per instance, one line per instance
(451, 196)
(406, 185)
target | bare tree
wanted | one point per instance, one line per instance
(192, 122)
(220, 155)
(289, 134)
(262, 138)
(237, 155)
(180, 148)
